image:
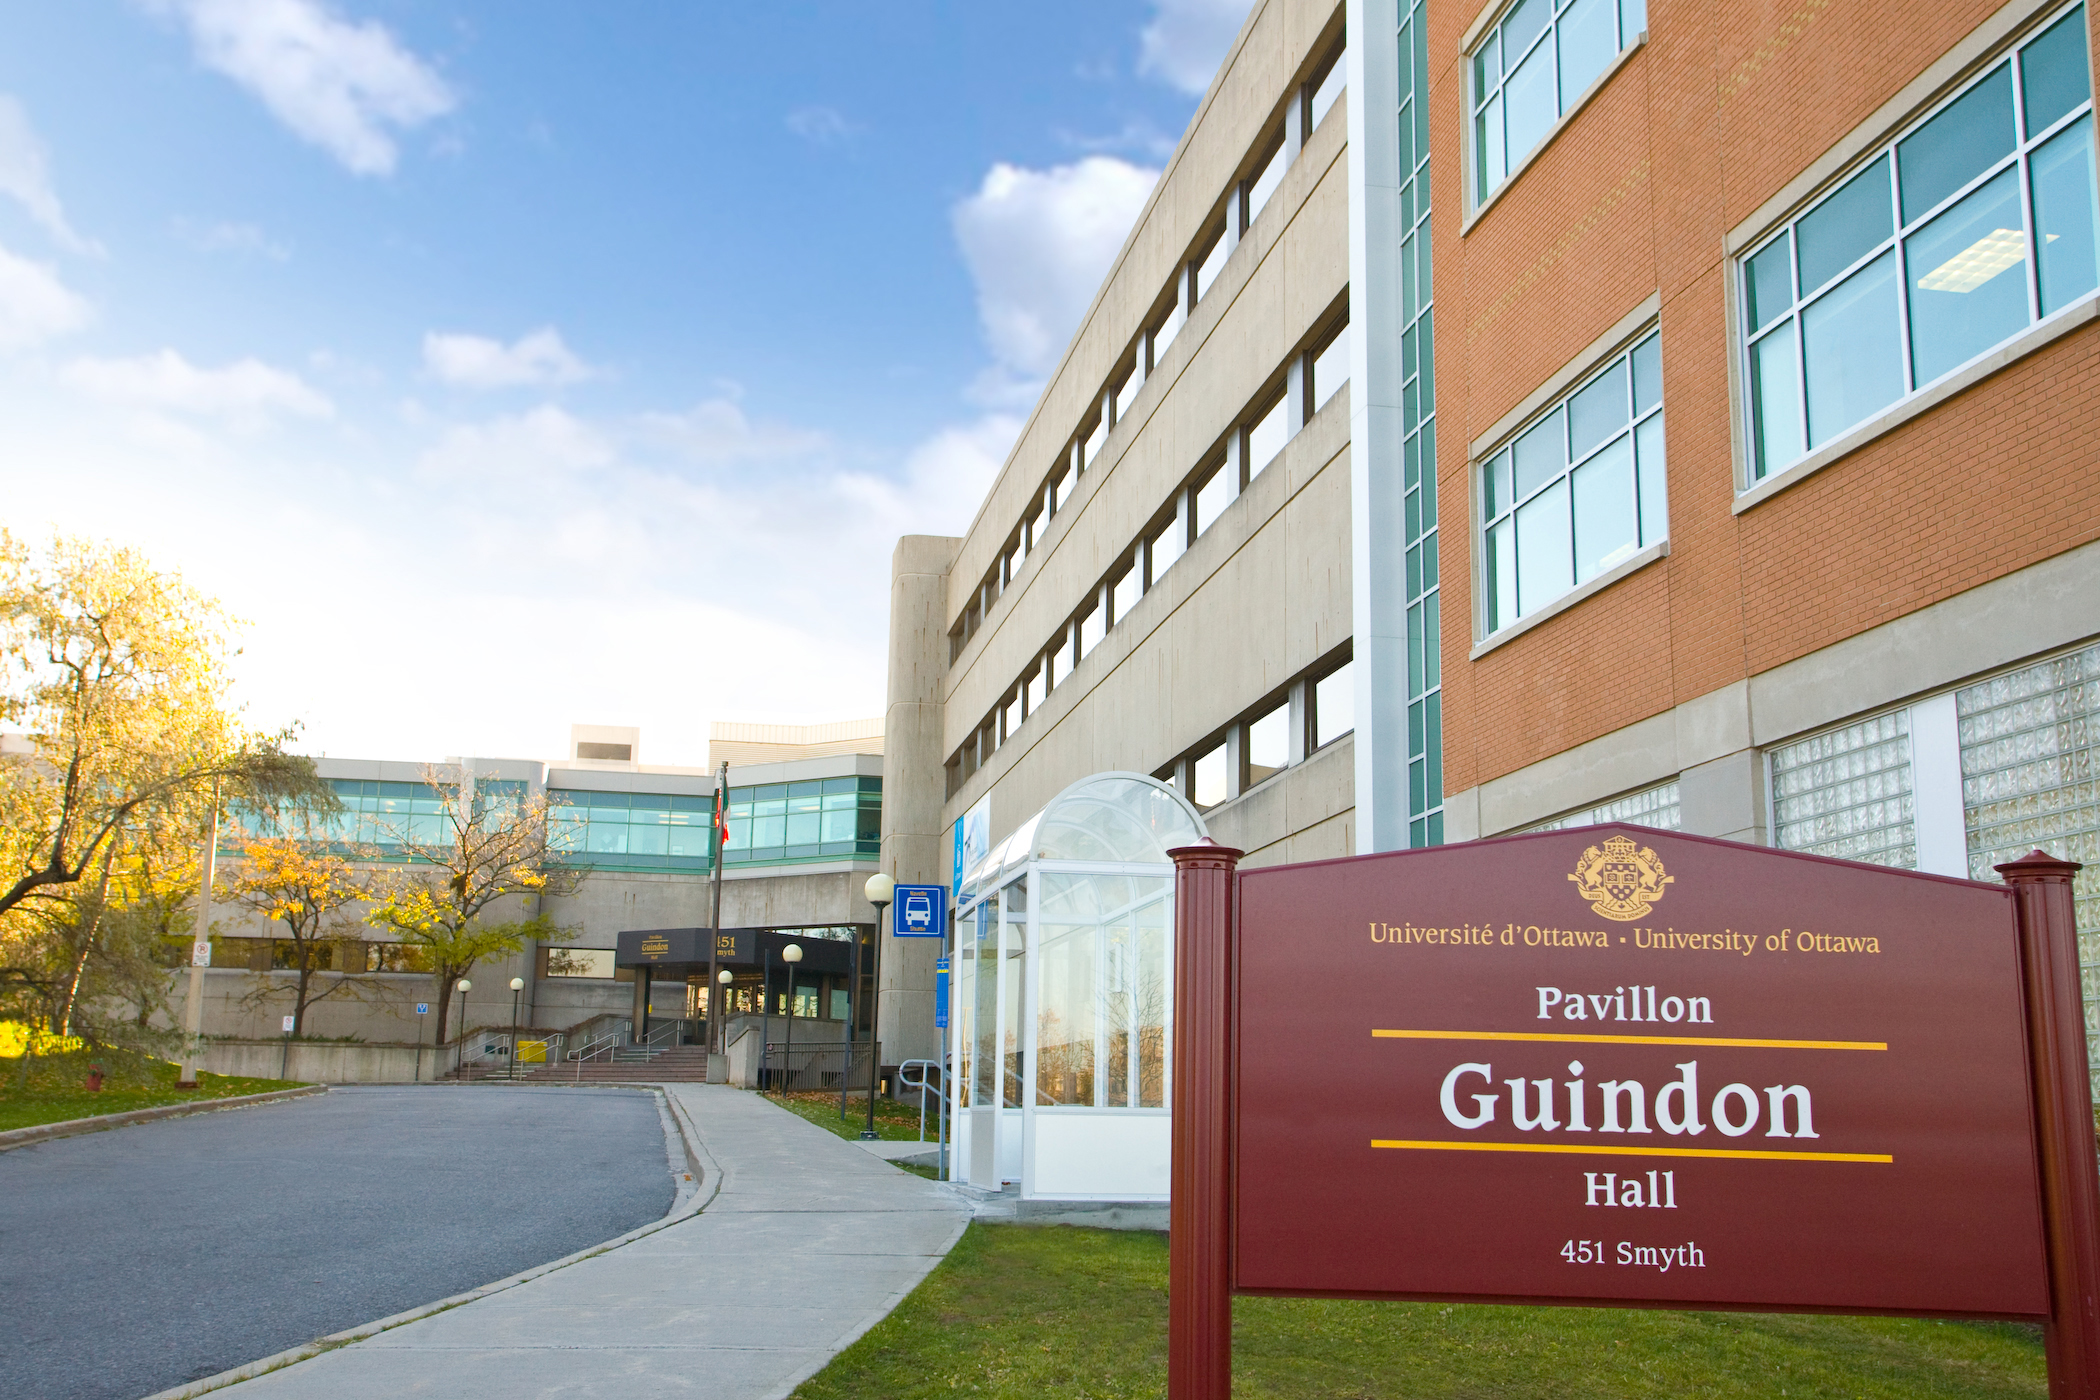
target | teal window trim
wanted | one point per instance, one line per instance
(1425, 697)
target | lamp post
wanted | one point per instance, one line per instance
(717, 1015)
(460, 1063)
(880, 890)
(517, 986)
(791, 955)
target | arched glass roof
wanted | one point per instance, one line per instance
(1117, 818)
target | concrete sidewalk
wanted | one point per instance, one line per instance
(806, 1243)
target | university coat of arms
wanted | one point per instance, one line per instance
(1620, 879)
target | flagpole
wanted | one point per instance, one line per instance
(715, 998)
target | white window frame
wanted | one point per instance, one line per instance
(1633, 34)
(1588, 368)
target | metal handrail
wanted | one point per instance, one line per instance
(905, 1081)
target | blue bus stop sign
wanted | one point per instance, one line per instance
(940, 994)
(921, 912)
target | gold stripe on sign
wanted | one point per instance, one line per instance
(1634, 1040)
(1588, 1151)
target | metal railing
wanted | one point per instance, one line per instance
(812, 1067)
(923, 1084)
(603, 1044)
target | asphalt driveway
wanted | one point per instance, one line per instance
(137, 1259)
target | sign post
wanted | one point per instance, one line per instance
(1616, 1066)
(2041, 888)
(284, 1070)
(422, 1010)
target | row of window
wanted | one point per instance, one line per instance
(1270, 157)
(1308, 382)
(769, 824)
(349, 955)
(1281, 732)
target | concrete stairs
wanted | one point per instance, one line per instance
(683, 1064)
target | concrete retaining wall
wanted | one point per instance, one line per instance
(326, 1063)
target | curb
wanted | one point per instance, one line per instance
(684, 1206)
(73, 1127)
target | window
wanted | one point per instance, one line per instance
(1927, 256)
(1264, 185)
(1266, 438)
(2030, 743)
(1659, 807)
(1210, 265)
(1533, 67)
(1061, 490)
(1329, 91)
(1334, 706)
(1577, 492)
(1269, 745)
(1418, 504)
(1163, 334)
(1125, 593)
(1035, 689)
(1096, 439)
(1166, 546)
(577, 962)
(1010, 714)
(1210, 778)
(1092, 628)
(816, 819)
(1847, 793)
(1330, 369)
(629, 830)
(1127, 391)
(1216, 493)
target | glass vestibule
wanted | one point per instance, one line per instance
(1063, 1009)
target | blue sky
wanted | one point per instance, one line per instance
(515, 363)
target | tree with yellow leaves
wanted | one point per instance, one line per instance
(492, 845)
(114, 680)
(303, 886)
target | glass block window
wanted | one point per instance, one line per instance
(1578, 491)
(1535, 65)
(1425, 682)
(630, 830)
(2030, 778)
(1952, 239)
(1656, 807)
(1847, 793)
(827, 819)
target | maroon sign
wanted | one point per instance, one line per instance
(1621, 1065)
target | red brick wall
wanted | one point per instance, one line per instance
(1722, 107)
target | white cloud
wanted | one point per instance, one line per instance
(34, 304)
(1187, 39)
(238, 238)
(25, 179)
(347, 87)
(477, 362)
(243, 394)
(717, 432)
(821, 126)
(1038, 243)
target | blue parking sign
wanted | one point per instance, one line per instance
(921, 911)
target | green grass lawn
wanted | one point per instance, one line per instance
(894, 1122)
(1047, 1312)
(57, 1088)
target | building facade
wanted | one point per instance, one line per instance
(804, 821)
(1555, 412)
